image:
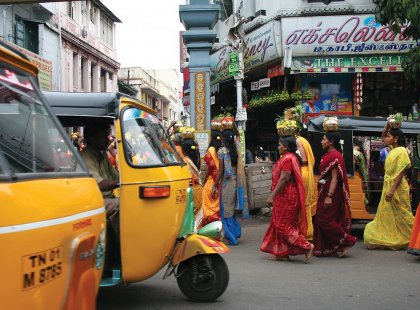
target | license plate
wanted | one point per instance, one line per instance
(42, 267)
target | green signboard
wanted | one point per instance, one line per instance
(233, 63)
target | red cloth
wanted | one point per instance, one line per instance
(287, 230)
(211, 165)
(333, 222)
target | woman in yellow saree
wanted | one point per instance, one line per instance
(210, 204)
(308, 161)
(393, 222)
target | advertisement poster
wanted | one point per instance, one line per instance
(331, 93)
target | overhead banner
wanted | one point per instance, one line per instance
(335, 35)
(262, 45)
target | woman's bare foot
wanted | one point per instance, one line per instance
(343, 251)
(308, 254)
(280, 258)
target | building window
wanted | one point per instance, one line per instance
(75, 71)
(84, 74)
(106, 30)
(103, 80)
(26, 35)
(71, 9)
(84, 12)
(93, 14)
(19, 33)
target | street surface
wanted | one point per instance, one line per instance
(365, 279)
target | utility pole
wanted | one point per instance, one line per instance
(237, 43)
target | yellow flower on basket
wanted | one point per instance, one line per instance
(286, 127)
(187, 132)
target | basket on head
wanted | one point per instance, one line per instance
(330, 123)
(228, 122)
(395, 120)
(286, 127)
(187, 132)
(216, 123)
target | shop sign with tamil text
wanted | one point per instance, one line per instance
(347, 63)
(262, 45)
(329, 35)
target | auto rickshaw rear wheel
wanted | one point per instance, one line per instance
(203, 285)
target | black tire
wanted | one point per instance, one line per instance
(209, 290)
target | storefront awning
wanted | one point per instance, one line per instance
(367, 125)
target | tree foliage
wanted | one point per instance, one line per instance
(403, 16)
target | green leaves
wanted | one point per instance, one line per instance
(403, 16)
(275, 98)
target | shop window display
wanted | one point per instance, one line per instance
(387, 93)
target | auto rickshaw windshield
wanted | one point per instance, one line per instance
(146, 142)
(30, 140)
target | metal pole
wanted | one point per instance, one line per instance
(239, 78)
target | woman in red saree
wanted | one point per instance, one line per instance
(286, 234)
(333, 219)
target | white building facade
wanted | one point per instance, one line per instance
(71, 43)
(88, 47)
(159, 89)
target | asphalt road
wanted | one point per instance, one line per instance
(365, 279)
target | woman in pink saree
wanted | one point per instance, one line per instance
(333, 219)
(286, 234)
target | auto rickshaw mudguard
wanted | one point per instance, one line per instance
(195, 245)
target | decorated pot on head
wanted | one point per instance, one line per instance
(177, 126)
(330, 123)
(216, 123)
(286, 127)
(186, 132)
(395, 120)
(228, 122)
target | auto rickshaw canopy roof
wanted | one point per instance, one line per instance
(76, 109)
(362, 125)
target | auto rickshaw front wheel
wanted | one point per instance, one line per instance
(203, 278)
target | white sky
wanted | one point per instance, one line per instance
(148, 36)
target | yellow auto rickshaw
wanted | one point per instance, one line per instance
(52, 224)
(365, 191)
(155, 198)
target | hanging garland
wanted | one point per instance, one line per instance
(358, 91)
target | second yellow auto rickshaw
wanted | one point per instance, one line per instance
(365, 192)
(155, 198)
